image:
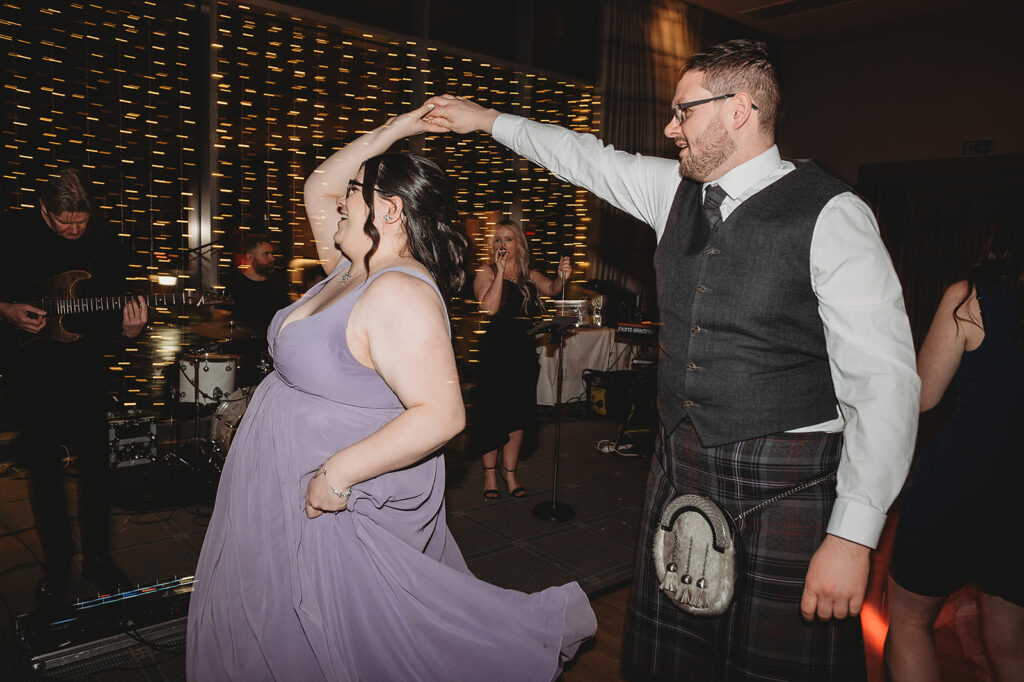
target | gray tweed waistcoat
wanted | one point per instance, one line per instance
(743, 347)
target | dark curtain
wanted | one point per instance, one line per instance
(936, 219)
(633, 99)
(645, 44)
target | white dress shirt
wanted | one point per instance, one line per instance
(867, 334)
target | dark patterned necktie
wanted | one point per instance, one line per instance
(713, 197)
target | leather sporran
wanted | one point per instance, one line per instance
(695, 555)
(695, 550)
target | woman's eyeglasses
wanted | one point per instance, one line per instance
(355, 185)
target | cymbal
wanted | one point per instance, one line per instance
(224, 329)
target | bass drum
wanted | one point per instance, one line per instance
(226, 419)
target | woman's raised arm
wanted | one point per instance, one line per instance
(326, 186)
(552, 287)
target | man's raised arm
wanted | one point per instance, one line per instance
(642, 186)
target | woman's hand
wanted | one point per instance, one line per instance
(501, 260)
(460, 115)
(547, 286)
(320, 498)
(414, 122)
(564, 268)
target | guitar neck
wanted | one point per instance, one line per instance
(64, 306)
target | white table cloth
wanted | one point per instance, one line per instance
(585, 348)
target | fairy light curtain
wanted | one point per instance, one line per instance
(108, 89)
(119, 89)
(292, 88)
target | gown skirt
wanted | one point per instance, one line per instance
(377, 592)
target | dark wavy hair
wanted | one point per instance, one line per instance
(430, 217)
(1003, 265)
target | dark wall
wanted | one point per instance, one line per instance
(912, 90)
(561, 36)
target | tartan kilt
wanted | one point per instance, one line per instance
(762, 636)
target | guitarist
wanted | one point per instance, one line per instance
(57, 389)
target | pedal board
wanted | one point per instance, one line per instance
(151, 614)
(132, 441)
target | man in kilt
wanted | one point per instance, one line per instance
(786, 355)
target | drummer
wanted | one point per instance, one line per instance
(258, 290)
(256, 287)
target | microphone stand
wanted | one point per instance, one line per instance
(557, 328)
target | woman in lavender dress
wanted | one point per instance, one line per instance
(328, 556)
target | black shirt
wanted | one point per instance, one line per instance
(32, 252)
(256, 302)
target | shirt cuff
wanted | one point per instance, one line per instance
(503, 128)
(856, 522)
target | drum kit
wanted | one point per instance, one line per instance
(209, 374)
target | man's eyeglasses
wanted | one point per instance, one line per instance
(681, 111)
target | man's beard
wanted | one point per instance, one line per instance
(717, 147)
(263, 269)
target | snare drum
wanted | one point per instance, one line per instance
(205, 378)
(227, 417)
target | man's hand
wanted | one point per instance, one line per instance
(24, 316)
(134, 317)
(836, 579)
(460, 115)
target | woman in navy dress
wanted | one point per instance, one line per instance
(959, 518)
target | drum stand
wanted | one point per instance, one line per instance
(557, 328)
(192, 456)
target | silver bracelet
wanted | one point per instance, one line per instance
(340, 493)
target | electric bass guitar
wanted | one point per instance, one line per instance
(56, 295)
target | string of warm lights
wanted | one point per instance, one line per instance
(109, 89)
(114, 90)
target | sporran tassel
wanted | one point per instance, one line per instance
(700, 599)
(671, 581)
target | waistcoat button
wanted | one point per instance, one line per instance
(689, 403)
(701, 289)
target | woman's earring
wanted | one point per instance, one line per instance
(387, 218)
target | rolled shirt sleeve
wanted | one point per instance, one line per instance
(871, 356)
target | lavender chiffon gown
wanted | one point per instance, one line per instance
(377, 592)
